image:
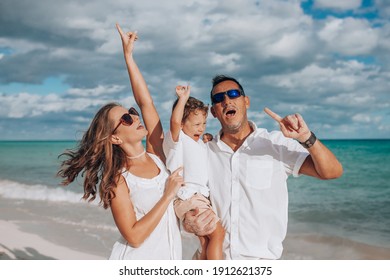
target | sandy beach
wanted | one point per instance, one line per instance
(30, 233)
(41, 230)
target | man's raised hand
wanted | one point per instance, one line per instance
(292, 126)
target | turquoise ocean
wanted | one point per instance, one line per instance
(355, 206)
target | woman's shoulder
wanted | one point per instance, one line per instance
(156, 159)
(159, 162)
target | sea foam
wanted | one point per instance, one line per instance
(15, 190)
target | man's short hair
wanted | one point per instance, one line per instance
(221, 78)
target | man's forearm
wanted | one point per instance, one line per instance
(322, 163)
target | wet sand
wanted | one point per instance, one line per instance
(40, 230)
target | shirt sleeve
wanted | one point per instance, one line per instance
(292, 154)
(299, 163)
(173, 152)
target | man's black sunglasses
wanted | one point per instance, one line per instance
(220, 96)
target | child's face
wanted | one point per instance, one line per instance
(195, 124)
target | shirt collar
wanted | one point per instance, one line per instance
(224, 147)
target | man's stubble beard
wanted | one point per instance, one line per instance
(233, 128)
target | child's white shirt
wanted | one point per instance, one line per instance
(192, 155)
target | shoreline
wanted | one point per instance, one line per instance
(41, 230)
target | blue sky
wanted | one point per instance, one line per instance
(325, 59)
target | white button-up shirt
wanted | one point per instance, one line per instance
(248, 190)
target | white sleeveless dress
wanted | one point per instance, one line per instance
(164, 243)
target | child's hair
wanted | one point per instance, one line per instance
(192, 105)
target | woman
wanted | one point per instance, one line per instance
(133, 181)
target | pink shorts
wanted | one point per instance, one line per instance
(197, 200)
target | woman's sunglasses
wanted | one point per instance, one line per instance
(220, 96)
(126, 119)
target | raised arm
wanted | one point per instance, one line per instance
(135, 232)
(183, 93)
(321, 162)
(142, 96)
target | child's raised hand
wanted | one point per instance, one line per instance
(183, 91)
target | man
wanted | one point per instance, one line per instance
(248, 171)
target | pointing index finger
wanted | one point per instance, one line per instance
(177, 170)
(119, 29)
(273, 115)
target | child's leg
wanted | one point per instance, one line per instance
(204, 241)
(214, 247)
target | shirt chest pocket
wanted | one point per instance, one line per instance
(258, 173)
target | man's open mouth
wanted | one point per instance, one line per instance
(230, 113)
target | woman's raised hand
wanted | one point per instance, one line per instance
(127, 40)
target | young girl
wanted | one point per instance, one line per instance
(183, 146)
(133, 181)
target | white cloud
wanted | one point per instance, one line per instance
(62, 53)
(100, 90)
(365, 118)
(351, 99)
(127, 101)
(84, 23)
(338, 4)
(288, 45)
(385, 128)
(342, 76)
(80, 119)
(258, 116)
(228, 62)
(21, 46)
(383, 7)
(384, 39)
(349, 36)
(24, 104)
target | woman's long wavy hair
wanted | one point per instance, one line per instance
(96, 159)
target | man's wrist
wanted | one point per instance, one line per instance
(310, 141)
